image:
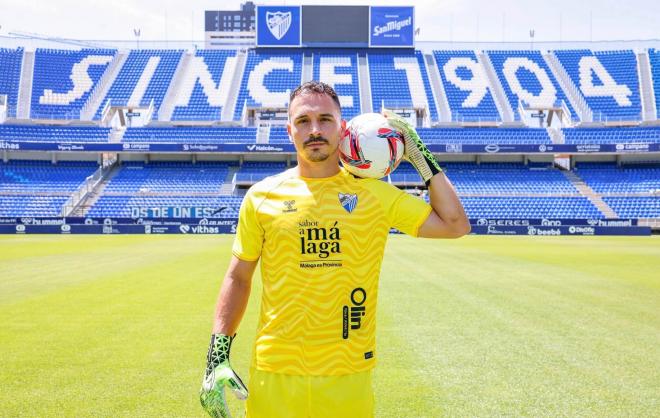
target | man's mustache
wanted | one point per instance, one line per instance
(316, 140)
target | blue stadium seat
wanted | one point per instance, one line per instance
(39, 188)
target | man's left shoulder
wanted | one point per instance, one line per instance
(375, 186)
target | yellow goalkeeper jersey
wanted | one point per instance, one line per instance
(321, 243)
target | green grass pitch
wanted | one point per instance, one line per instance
(118, 326)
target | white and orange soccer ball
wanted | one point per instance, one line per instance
(370, 147)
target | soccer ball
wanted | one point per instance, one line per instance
(370, 147)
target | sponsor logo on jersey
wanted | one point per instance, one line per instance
(319, 241)
(319, 245)
(353, 313)
(290, 206)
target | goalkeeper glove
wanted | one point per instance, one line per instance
(415, 150)
(218, 375)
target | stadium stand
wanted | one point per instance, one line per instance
(612, 135)
(145, 76)
(54, 133)
(629, 179)
(10, 68)
(608, 80)
(466, 86)
(268, 80)
(400, 81)
(405, 174)
(64, 79)
(252, 172)
(517, 191)
(635, 206)
(530, 207)
(341, 72)
(508, 178)
(166, 185)
(525, 76)
(191, 134)
(484, 136)
(278, 135)
(39, 188)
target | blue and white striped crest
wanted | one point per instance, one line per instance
(348, 201)
(278, 23)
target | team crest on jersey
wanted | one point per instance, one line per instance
(348, 201)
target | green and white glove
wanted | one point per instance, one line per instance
(218, 375)
(415, 150)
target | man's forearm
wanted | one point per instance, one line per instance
(233, 299)
(447, 205)
(234, 295)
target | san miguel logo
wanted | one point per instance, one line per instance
(278, 23)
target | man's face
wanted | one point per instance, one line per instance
(315, 127)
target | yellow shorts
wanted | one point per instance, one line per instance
(274, 395)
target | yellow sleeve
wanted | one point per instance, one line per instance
(404, 211)
(407, 213)
(249, 232)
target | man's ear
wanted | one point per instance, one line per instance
(288, 131)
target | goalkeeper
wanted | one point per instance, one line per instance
(320, 234)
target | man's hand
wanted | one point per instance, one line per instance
(218, 375)
(415, 150)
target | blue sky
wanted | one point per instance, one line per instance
(446, 20)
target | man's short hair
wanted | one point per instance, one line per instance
(315, 87)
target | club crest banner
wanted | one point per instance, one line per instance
(278, 26)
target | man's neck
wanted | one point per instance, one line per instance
(317, 170)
